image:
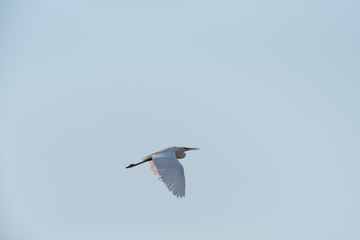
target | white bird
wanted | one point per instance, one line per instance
(167, 168)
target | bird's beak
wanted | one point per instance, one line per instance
(189, 149)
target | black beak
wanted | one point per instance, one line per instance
(189, 149)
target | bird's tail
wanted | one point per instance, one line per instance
(148, 157)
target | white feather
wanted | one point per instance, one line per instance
(170, 171)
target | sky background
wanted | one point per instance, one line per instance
(268, 90)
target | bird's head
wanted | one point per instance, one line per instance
(180, 152)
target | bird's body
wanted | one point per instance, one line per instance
(167, 168)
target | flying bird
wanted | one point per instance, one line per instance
(167, 168)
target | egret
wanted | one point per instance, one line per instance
(167, 168)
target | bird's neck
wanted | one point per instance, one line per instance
(179, 154)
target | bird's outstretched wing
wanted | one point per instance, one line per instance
(170, 171)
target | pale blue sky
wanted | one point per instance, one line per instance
(269, 90)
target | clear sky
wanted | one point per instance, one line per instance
(268, 90)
